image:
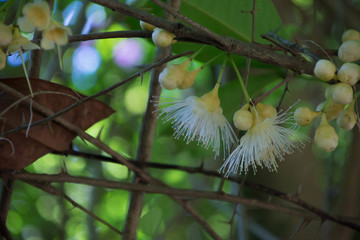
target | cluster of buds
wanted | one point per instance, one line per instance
(37, 17)
(340, 99)
(160, 37)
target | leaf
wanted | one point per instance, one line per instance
(227, 18)
(46, 138)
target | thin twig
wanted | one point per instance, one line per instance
(192, 194)
(54, 191)
(196, 170)
(230, 45)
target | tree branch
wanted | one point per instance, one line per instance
(227, 44)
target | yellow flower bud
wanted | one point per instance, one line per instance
(304, 116)
(347, 118)
(324, 70)
(349, 73)
(350, 34)
(342, 93)
(38, 14)
(266, 111)
(243, 119)
(325, 136)
(146, 26)
(332, 110)
(349, 51)
(162, 38)
(20, 43)
(173, 75)
(189, 79)
(56, 33)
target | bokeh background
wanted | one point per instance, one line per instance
(328, 181)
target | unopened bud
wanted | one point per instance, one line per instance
(349, 73)
(243, 119)
(324, 70)
(325, 136)
(342, 93)
(162, 38)
(349, 51)
(304, 116)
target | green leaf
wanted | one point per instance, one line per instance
(232, 18)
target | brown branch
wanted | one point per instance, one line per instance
(106, 35)
(227, 44)
(146, 140)
(98, 143)
(185, 193)
(293, 198)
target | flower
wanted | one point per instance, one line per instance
(264, 143)
(56, 33)
(36, 15)
(173, 75)
(200, 119)
(20, 43)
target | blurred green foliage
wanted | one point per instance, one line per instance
(36, 215)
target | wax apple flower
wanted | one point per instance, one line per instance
(189, 79)
(263, 144)
(57, 34)
(20, 43)
(36, 15)
(173, 75)
(199, 119)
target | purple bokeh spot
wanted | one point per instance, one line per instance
(128, 53)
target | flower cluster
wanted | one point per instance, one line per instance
(37, 17)
(265, 141)
(339, 103)
(201, 119)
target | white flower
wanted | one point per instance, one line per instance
(199, 119)
(263, 144)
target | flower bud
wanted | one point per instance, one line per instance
(332, 110)
(38, 14)
(56, 33)
(349, 51)
(350, 34)
(173, 75)
(342, 93)
(325, 136)
(304, 116)
(243, 119)
(349, 73)
(146, 26)
(266, 110)
(324, 70)
(5, 34)
(189, 78)
(162, 38)
(19, 42)
(347, 118)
